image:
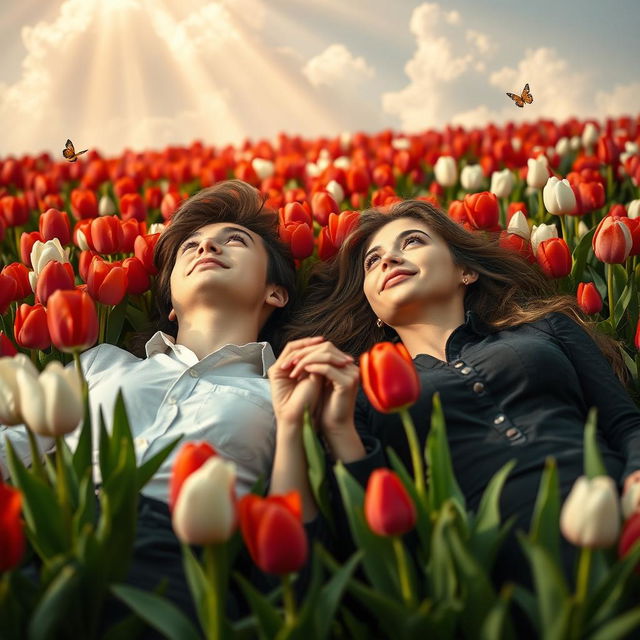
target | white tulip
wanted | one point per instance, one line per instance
(590, 135)
(582, 228)
(590, 515)
(323, 162)
(263, 168)
(81, 239)
(343, 162)
(558, 197)
(446, 171)
(205, 511)
(336, 190)
(401, 143)
(43, 252)
(9, 390)
(542, 233)
(345, 140)
(501, 183)
(516, 144)
(106, 207)
(563, 147)
(537, 173)
(631, 501)
(471, 177)
(156, 227)
(51, 403)
(575, 143)
(519, 226)
(312, 170)
(633, 209)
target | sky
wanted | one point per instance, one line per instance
(144, 74)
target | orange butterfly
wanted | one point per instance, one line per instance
(524, 97)
(69, 152)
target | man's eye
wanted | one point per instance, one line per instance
(237, 236)
(188, 245)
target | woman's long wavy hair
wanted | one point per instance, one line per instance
(509, 291)
(231, 201)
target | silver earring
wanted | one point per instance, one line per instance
(379, 323)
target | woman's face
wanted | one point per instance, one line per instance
(409, 269)
(222, 262)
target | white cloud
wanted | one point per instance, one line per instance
(623, 100)
(479, 40)
(337, 66)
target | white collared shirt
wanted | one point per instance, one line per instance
(224, 399)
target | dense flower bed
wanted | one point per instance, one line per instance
(76, 249)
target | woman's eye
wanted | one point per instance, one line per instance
(188, 245)
(412, 239)
(237, 236)
(369, 261)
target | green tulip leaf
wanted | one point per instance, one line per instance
(527, 602)
(580, 255)
(83, 454)
(623, 302)
(442, 482)
(51, 614)
(157, 612)
(115, 322)
(378, 560)
(444, 579)
(620, 627)
(593, 464)
(317, 470)
(269, 619)
(497, 623)
(85, 514)
(545, 522)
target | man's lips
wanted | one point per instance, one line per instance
(395, 276)
(208, 260)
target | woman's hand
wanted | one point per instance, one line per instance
(632, 478)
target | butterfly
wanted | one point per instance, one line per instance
(524, 97)
(69, 152)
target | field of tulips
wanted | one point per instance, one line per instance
(76, 258)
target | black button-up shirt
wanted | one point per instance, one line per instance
(521, 393)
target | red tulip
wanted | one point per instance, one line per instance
(12, 540)
(296, 212)
(389, 377)
(30, 327)
(14, 210)
(20, 274)
(299, 236)
(388, 507)
(12, 173)
(607, 150)
(143, 248)
(592, 196)
(55, 224)
(383, 176)
(27, 240)
(617, 211)
(458, 212)
(358, 179)
(482, 210)
(272, 530)
(554, 257)
(106, 282)
(513, 208)
(8, 291)
(82, 234)
(517, 243)
(106, 234)
(72, 320)
(131, 229)
(124, 185)
(7, 348)
(137, 277)
(190, 457)
(132, 206)
(629, 536)
(589, 298)
(636, 340)
(322, 205)
(333, 235)
(170, 204)
(612, 241)
(55, 275)
(153, 197)
(84, 204)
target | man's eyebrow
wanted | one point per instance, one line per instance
(197, 234)
(404, 234)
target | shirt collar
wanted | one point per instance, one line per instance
(259, 354)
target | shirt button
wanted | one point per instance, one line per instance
(498, 419)
(458, 364)
(478, 387)
(193, 373)
(171, 400)
(465, 371)
(512, 433)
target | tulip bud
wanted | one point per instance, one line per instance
(446, 171)
(636, 340)
(106, 206)
(12, 538)
(143, 248)
(629, 536)
(583, 229)
(322, 205)
(44, 252)
(589, 135)
(299, 236)
(563, 147)
(471, 177)
(389, 377)
(205, 510)
(51, 403)
(53, 277)
(132, 207)
(612, 241)
(106, 282)
(8, 292)
(336, 191)
(590, 515)
(273, 532)
(537, 172)
(482, 210)
(558, 197)
(156, 228)
(388, 507)
(72, 320)
(501, 183)
(589, 298)
(7, 348)
(631, 501)
(30, 327)
(542, 233)
(633, 209)
(554, 257)
(264, 168)
(136, 276)
(10, 413)
(55, 224)
(106, 234)
(190, 457)
(84, 204)
(519, 226)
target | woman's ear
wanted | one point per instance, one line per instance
(277, 296)
(469, 276)
(172, 315)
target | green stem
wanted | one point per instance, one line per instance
(102, 321)
(214, 568)
(62, 487)
(563, 225)
(416, 458)
(540, 212)
(289, 600)
(582, 587)
(36, 459)
(610, 294)
(503, 212)
(403, 572)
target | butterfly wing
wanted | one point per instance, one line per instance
(68, 153)
(516, 98)
(526, 96)
(81, 152)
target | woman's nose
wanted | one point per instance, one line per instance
(390, 258)
(208, 244)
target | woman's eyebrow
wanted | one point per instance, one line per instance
(197, 234)
(402, 235)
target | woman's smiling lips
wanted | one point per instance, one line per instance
(209, 261)
(395, 277)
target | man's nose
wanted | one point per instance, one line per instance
(208, 244)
